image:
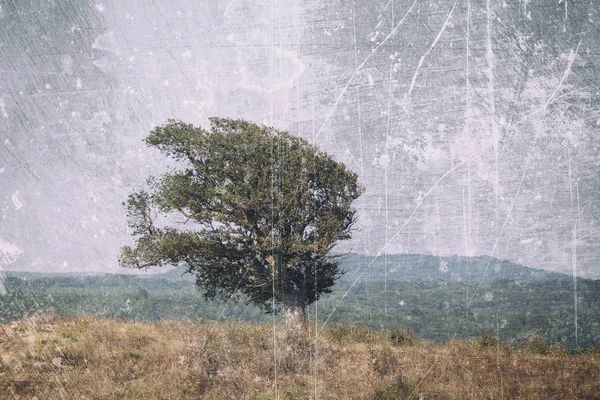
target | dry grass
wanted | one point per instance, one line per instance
(52, 357)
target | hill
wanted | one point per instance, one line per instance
(439, 298)
(415, 267)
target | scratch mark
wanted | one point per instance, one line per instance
(489, 58)
(387, 163)
(228, 6)
(565, 75)
(574, 246)
(468, 228)
(414, 78)
(566, 15)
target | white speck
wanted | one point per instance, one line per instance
(100, 7)
(373, 36)
(78, 83)
(401, 302)
(3, 108)
(186, 54)
(444, 266)
(382, 161)
(166, 83)
(47, 86)
(127, 307)
(1, 170)
(65, 264)
(67, 64)
(107, 42)
(489, 296)
(94, 218)
(8, 255)
(95, 236)
(253, 82)
(15, 199)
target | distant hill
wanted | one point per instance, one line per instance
(414, 267)
(437, 297)
(400, 267)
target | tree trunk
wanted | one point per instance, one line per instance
(295, 308)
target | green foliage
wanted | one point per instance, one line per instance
(259, 209)
(349, 333)
(402, 337)
(399, 389)
(486, 339)
(537, 345)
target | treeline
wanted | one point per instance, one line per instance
(442, 310)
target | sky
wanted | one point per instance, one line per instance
(473, 124)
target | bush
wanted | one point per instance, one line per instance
(402, 337)
(486, 339)
(342, 333)
(537, 345)
(400, 388)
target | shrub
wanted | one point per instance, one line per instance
(402, 337)
(537, 345)
(400, 388)
(486, 339)
(341, 333)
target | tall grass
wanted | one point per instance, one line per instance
(52, 357)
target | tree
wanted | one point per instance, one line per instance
(254, 212)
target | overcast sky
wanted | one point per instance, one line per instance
(474, 125)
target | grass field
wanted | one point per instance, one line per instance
(53, 357)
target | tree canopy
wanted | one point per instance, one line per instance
(253, 211)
